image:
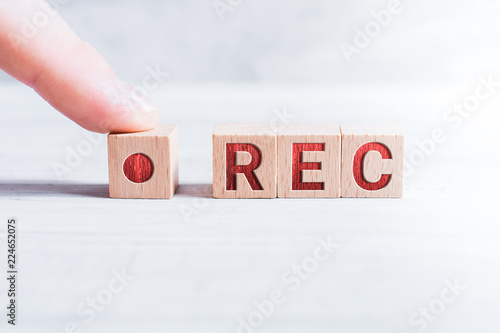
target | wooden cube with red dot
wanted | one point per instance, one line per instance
(144, 165)
(309, 161)
(372, 161)
(244, 161)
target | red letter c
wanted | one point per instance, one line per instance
(358, 165)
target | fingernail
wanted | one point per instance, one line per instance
(134, 100)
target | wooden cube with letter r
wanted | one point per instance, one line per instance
(244, 161)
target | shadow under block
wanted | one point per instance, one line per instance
(244, 161)
(372, 161)
(309, 161)
(144, 165)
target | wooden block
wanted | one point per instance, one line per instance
(372, 161)
(309, 157)
(144, 165)
(244, 161)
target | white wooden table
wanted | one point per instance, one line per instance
(198, 264)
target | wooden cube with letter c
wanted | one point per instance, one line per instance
(309, 161)
(244, 161)
(372, 161)
(144, 165)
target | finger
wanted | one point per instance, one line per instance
(39, 49)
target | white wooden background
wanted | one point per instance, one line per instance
(199, 263)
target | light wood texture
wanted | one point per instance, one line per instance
(372, 160)
(161, 146)
(301, 173)
(200, 263)
(260, 138)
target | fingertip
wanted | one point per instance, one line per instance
(135, 122)
(103, 103)
(70, 74)
(121, 119)
(130, 111)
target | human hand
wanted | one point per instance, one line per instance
(67, 72)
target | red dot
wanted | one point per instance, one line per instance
(138, 168)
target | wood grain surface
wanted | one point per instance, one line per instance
(198, 264)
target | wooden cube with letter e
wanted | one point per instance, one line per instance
(244, 161)
(309, 161)
(372, 160)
